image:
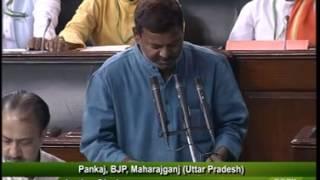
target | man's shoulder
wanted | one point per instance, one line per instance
(117, 61)
(119, 58)
(47, 157)
(202, 52)
(193, 48)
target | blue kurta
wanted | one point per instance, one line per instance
(120, 117)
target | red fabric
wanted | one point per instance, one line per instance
(302, 22)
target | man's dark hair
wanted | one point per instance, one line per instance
(158, 16)
(29, 104)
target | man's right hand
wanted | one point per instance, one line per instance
(34, 44)
(58, 44)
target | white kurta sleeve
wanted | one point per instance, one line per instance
(44, 10)
(243, 29)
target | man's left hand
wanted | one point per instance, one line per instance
(221, 154)
(214, 158)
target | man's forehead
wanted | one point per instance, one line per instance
(174, 30)
(5, 137)
(19, 117)
(11, 116)
(14, 127)
(160, 38)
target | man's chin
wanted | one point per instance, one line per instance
(165, 67)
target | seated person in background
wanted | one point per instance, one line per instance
(25, 117)
(26, 21)
(104, 22)
(120, 120)
(276, 20)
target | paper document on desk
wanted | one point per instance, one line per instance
(21, 51)
(13, 50)
(113, 48)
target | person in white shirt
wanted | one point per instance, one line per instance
(25, 117)
(262, 20)
(26, 21)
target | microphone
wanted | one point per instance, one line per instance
(155, 86)
(204, 107)
(285, 33)
(44, 33)
(186, 117)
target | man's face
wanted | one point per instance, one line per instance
(162, 49)
(21, 140)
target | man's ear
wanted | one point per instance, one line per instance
(43, 134)
(136, 34)
(134, 30)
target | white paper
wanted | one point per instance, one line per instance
(22, 51)
(112, 48)
(13, 50)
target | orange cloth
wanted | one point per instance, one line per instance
(302, 22)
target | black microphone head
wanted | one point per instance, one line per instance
(154, 82)
(199, 86)
(178, 84)
(175, 76)
(198, 82)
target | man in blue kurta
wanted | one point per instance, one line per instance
(120, 119)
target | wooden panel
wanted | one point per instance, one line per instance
(275, 71)
(279, 90)
(69, 154)
(297, 75)
(304, 144)
(274, 120)
(65, 145)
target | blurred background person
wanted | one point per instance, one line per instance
(101, 22)
(27, 20)
(276, 20)
(25, 117)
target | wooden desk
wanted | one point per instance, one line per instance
(304, 144)
(278, 87)
(64, 146)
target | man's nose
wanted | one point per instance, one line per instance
(15, 150)
(164, 52)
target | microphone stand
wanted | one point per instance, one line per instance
(186, 118)
(204, 108)
(155, 86)
(44, 33)
(285, 33)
